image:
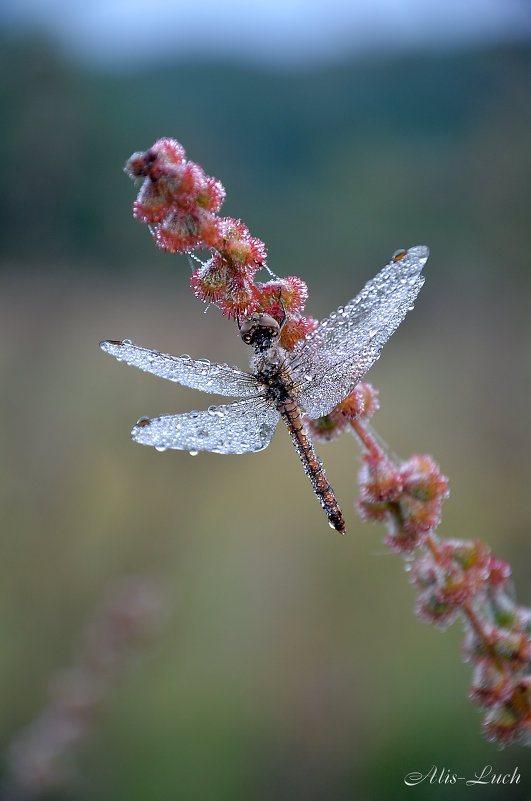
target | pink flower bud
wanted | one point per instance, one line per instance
(435, 603)
(490, 685)
(153, 203)
(424, 481)
(361, 403)
(210, 280)
(244, 251)
(295, 329)
(457, 575)
(168, 152)
(419, 506)
(499, 572)
(187, 229)
(287, 295)
(380, 488)
(473, 556)
(208, 225)
(430, 608)
(178, 232)
(239, 297)
(193, 184)
(504, 725)
(443, 588)
(163, 156)
(212, 195)
(137, 165)
(511, 647)
(325, 429)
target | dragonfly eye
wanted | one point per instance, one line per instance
(258, 328)
(247, 329)
(269, 325)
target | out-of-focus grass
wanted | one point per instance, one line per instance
(293, 666)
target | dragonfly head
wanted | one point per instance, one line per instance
(259, 329)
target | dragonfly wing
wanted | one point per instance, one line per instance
(242, 427)
(332, 359)
(196, 373)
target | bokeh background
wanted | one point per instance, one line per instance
(289, 664)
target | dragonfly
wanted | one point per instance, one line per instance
(320, 371)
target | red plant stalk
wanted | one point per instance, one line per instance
(453, 578)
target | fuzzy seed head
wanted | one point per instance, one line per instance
(490, 685)
(239, 297)
(209, 280)
(362, 403)
(296, 328)
(245, 252)
(325, 429)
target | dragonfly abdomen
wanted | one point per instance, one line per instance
(291, 414)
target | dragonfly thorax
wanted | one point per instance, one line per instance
(269, 368)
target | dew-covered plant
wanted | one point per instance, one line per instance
(40, 759)
(452, 578)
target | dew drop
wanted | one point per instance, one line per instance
(185, 356)
(127, 342)
(143, 421)
(193, 453)
(161, 448)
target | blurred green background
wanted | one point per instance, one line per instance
(291, 665)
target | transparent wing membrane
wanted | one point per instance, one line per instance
(219, 379)
(242, 427)
(329, 363)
